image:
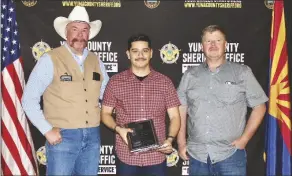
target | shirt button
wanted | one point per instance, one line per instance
(142, 109)
(209, 101)
(142, 96)
(85, 100)
(84, 89)
(83, 79)
(86, 112)
(207, 132)
(86, 122)
(211, 87)
(207, 116)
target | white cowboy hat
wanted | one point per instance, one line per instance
(77, 14)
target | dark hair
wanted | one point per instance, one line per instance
(213, 28)
(138, 37)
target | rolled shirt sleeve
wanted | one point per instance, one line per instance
(182, 89)
(109, 98)
(255, 95)
(171, 96)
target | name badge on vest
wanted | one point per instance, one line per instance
(66, 77)
(96, 76)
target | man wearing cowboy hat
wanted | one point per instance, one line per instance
(71, 80)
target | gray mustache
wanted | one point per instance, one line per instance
(77, 40)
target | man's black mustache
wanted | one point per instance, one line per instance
(140, 59)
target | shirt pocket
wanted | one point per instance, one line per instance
(157, 104)
(228, 93)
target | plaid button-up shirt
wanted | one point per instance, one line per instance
(136, 100)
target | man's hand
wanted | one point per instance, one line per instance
(166, 147)
(54, 136)
(252, 125)
(123, 133)
(239, 143)
(182, 152)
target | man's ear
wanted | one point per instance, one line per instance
(128, 54)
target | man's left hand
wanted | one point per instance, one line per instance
(166, 147)
(239, 143)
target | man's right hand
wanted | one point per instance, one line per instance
(54, 136)
(123, 133)
(182, 152)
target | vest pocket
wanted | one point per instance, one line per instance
(71, 90)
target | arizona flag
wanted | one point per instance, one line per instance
(278, 129)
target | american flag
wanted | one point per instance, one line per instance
(17, 152)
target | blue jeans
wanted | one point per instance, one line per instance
(124, 169)
(233, 165)
(77, 154)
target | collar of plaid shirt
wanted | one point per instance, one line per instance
(150, 76)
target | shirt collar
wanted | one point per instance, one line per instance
(219, 68)
(131, 75)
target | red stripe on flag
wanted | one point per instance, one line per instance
(286, 79)
(285, 97)
(12, 148)
(277, 22)
(285, 110)
(6, 170)
(281, 63)
(13, 74)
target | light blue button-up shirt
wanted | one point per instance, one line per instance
(40, 78)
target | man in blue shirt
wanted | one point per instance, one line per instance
(71, 80)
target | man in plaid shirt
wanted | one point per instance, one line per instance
(137, 94)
